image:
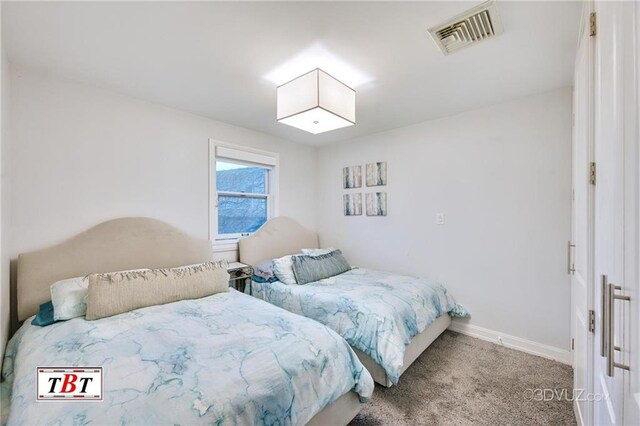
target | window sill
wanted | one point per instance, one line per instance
(225, 246)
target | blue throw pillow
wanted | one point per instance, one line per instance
(45, 315)
(308, 269)
(261, 280)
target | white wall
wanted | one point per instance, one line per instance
(4, 257)
(86, 155)
(502, 177)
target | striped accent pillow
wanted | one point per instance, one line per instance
(308, 269)
(119, 292)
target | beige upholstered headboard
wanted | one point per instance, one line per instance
(278, 237)
(116, 245)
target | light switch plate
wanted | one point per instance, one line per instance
(440, 219)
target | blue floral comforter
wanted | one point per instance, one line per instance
(222, 359)
(376, 312)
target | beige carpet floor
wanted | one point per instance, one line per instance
(460, 380)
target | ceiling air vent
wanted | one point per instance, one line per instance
(471, 27)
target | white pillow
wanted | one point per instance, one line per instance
(69, 298)
(283, 269)
(317, 251)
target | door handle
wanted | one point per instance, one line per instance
(611, 298)
(604, 317)
(570, 265)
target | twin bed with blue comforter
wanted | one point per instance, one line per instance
(389, 319)
(225, 359)
(378, 313)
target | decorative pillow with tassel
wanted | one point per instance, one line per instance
(118, 292)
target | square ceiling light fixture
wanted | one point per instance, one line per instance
(316, 102)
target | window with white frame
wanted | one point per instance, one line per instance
(243, 183)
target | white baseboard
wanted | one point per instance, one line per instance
(578, 413)
(512, 342)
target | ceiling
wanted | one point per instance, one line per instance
(222, 60)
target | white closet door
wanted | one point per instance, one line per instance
(581, 246)
(611, 385)
(630, 35)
